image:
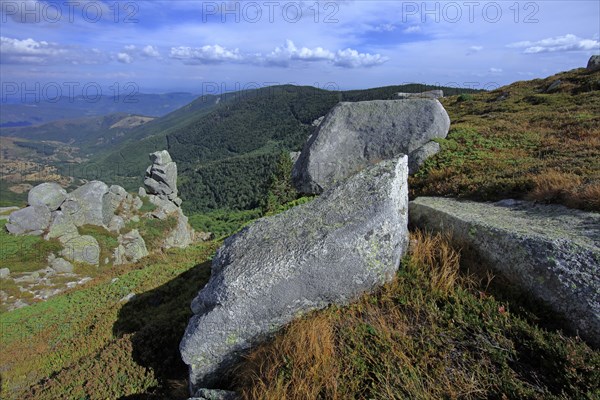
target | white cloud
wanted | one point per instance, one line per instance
(567, 42)
(412, 29)
(350, 58)
(150, 51)
(474, 49)
(494, 70)
(205, 54)
(347, 58)
(124, 58)
(385, 28)
(28, 51)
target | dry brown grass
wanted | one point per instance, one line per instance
(566, 188)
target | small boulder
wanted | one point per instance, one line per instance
(330, 250)
(50, 194)
(594, 63)
(116, 224)
(132, 248)
(430, 94)
(182, 235)
(61, 225)
(4, 273)
(356, 135)
(61, 266)
(81, 248)
(214, 394)
(418, 157)
(32, 220)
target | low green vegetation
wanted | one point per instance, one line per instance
(93, 345)
(518, 142)
(153, 230)
(223, 223)
(107, 240)
(24, 253)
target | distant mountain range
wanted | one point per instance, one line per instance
(15, 113)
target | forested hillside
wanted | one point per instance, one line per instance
(227, 149)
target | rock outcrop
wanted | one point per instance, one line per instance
(356, 135)
(32, 220)
(51, 195)
(594, 63)
(347, 241)
(87, 205)
(161, 190)
(549, 251)
(430, 94)
(132, 248)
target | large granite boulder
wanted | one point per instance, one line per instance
(549, 251)
(112, 200)
(331, 250)
(32, 220)
(430, 94)
(594, 63)
(81, 248)
(86, 204)
(356, 135)
(132, 248)
(47, 194)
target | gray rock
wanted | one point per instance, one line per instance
(418, 157)
(160, 157)
(29, 220)
(554, 86)
(142, 192)
(4, 273)
(90, 203)
(116, 224)
(294, 156)
(132, 248)
(111, 202)
(61, 266)
(83, 249)
(51, 195)
(73, 211)
(549, 251)
(430, 94)
(61, 225)
(127, 298)
(318, 121)
(182, 235)
(356, 135)
(214, 394)
(330, 250)
(164, 207)
(594, 63)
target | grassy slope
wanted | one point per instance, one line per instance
(540, 146)
(428, 334)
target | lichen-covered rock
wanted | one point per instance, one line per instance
(112, 200)
(49, 194)
(132, 248)
(214, 394)
(356, 135)
(61, 225)
(182, 235)
(32, 220)
(345, 242)
(4, 273)
(87, 202)
(549, 251)
(420, 155)
(81, 248)
(116, 224)
(161, 157)
(61, 266)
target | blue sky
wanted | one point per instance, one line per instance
(198, 46)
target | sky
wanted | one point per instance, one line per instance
(74, 47)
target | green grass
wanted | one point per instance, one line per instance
(147, 206)
(24, 253)
(223, 223)
(96, 347)
(515, 142)
(153, 230)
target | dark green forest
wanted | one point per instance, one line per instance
(228, 150)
